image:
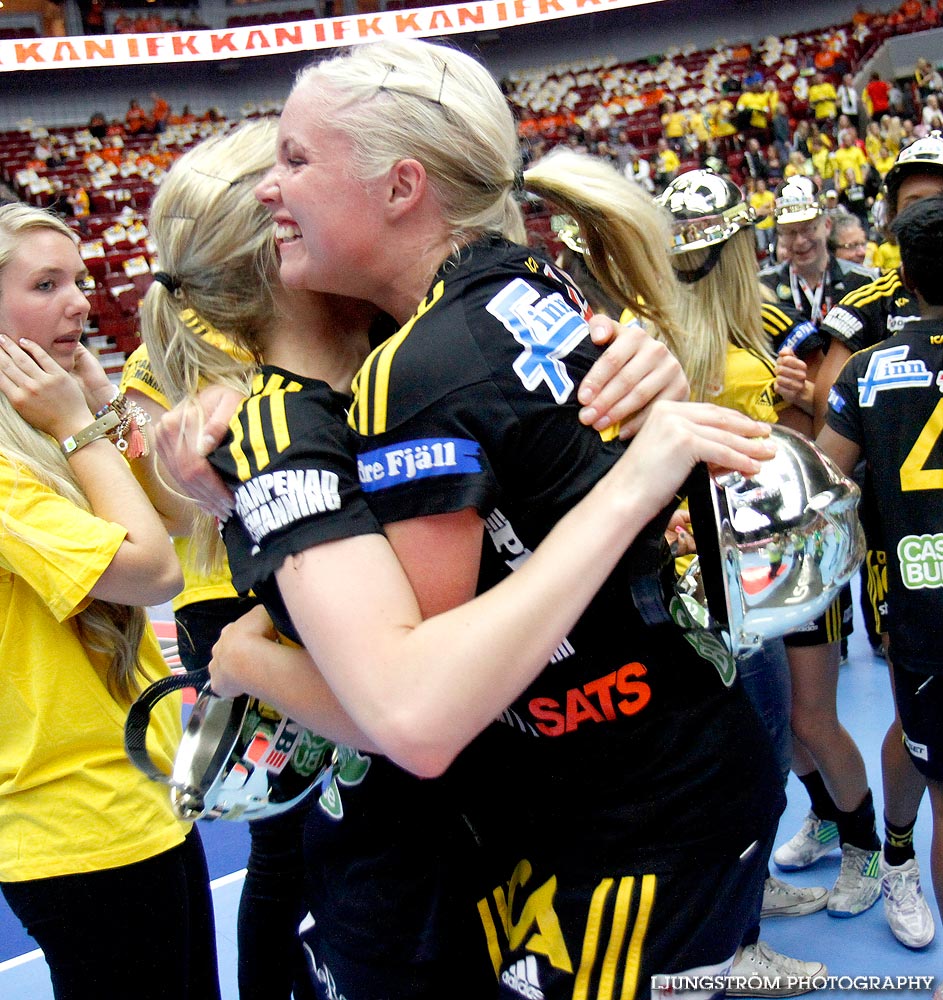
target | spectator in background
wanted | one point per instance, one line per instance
(822, 99)
(849, 102)
(638, 169)
(848, 240)
(135, 118)
(931, 110)
(754, 162)
(782, 131)
(878, 96)
(97, 125)
(761, 201)
(160, 112)
(667, 165)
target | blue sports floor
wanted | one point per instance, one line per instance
(862, 946)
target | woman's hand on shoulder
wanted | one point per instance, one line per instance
(41, 391)
(634, 371)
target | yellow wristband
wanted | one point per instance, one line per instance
(97, 429)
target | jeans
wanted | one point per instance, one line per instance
(765, 676)
(144, 930)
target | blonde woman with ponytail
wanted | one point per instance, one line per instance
(594, 796)
(112, 887)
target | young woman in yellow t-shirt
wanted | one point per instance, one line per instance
(92, 861)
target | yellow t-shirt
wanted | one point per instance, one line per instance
(720, 123)
(675, 124)
(822, 97)
(668, 161)
(845, 157)
(70, 800)
(759, 202)
(823, 163)
(887, 257)
(748, 386)
(197, 585)
(757, 105)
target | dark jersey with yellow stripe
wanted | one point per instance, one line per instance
(473, 404)
(288, 459)
(871, 313)
(888, 400)
(786, 327)
(389, 880)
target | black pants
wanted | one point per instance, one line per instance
(272, 963)
(199, 625)
(139, 932)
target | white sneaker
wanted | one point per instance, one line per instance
(780, 899)
(762, 972)
(817, 838)
(907, 913)
(858, 884)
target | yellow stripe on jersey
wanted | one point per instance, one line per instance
(620, 919)
(616, 953)
(368, 417)
(271, 418)
(253, 414)
(642, 918)
(236, 449)
(880, 288)
(775, 321)
(591, 939)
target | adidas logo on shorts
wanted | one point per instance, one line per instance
(522, 978)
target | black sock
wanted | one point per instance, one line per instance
(898, 842)
(822, 803)
(857, 827)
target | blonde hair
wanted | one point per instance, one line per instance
(410, 99)
(625, 232)
(723, 308)
(215, 243)
(112, 630)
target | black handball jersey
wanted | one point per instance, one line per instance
(871, 313)
(387, 855)
(288, 460)
(889, 400)
(628, 737)
(786, 327)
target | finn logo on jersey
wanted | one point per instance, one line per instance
(547, 328)
(890, 369)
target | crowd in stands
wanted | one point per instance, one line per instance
(760, 114)
(102, 177)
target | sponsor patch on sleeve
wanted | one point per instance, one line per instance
(836, 401)
(384, 468)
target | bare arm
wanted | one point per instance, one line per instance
(843, 452)
(422, 690)
(830, 368)
(144, 570)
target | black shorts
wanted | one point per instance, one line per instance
(616, 933)
(835, 624)
(919, 698)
